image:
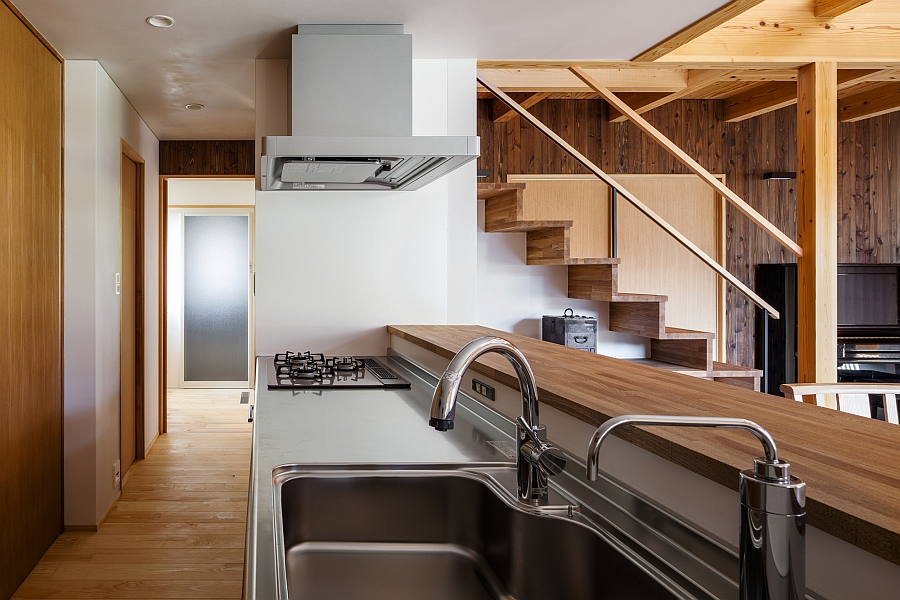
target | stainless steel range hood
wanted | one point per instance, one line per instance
(351, 117)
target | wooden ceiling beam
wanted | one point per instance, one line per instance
(871, 103)
(696, 29)
(784, 31)
(759, 99)
(834, 8)
(697, 80)
(767, 97)
(502, 113)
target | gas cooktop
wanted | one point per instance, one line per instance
(310, 370)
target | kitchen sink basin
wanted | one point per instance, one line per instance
(441, 533)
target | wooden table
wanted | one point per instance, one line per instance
(851, 464)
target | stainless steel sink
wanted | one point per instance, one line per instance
(440, 533)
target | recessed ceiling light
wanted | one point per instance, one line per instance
(160, 21)
(194, 106)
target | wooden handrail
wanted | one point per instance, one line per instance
(689, 162)
(603, 176)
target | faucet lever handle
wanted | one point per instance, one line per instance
(548, 458)
(532, 435)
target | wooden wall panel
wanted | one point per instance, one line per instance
(868, 176)
(30, 299)
(208, 157)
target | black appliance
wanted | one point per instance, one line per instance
(868, 333)
(570, 330)
(311, 370)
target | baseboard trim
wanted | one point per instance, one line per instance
(80, 528)
(93, 528)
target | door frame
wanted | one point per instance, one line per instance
(140, 300)
(225, 210)
(163, 291)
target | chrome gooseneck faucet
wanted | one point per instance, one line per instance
(773, 510)
(536, 460)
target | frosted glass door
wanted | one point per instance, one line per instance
(217, 299)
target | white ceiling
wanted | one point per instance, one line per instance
(207, 56)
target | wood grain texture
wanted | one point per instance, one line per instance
(128, 347)
(30, 298)
(833, 8)
(208, 157)
(504, 113)
(879, 100)
(694, 353)
(788, 31)
(760, 99)
(696, 29)
(848, 462)
(654, 263)
(177, 530)
(593, 168)
(868, 175)
(817, 166)
(584, 203)
(698, 80)
(695, 167)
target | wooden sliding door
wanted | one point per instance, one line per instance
(30, 299)
(131, 310)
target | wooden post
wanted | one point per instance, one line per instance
(817, 145)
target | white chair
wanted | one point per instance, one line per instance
(851, 397)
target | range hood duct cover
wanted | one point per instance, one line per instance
(351, 117)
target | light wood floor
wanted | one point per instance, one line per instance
(177, 531)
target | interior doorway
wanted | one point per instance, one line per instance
(200, 194)
(130, 286)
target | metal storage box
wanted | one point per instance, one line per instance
(570, 330)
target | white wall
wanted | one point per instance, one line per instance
(97, 117)
(378, 258)
(211, 192)
(513, 296)
(333, 268)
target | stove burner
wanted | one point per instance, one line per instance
(311, 370)
(346, 363)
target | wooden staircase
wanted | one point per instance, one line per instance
(549, 243)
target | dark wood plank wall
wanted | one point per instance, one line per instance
(208, 157)
(743, 151)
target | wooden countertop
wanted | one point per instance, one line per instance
(851, 464)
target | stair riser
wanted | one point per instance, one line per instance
(695, 354)
(593, 282)
(647, 319)
(502, 212)
(547, 245)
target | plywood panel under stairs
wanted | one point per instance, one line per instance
(657, 264)
(583, 202)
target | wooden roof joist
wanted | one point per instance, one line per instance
(876, 101)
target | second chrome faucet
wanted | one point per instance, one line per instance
(773, 503)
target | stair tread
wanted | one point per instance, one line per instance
(526, 226)
(575, 261)
(673, 333)
(639, 298)
(658, 364)
(721, 369)
(489, 190)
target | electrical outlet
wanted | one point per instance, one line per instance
(483, 389)
(117, 473)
